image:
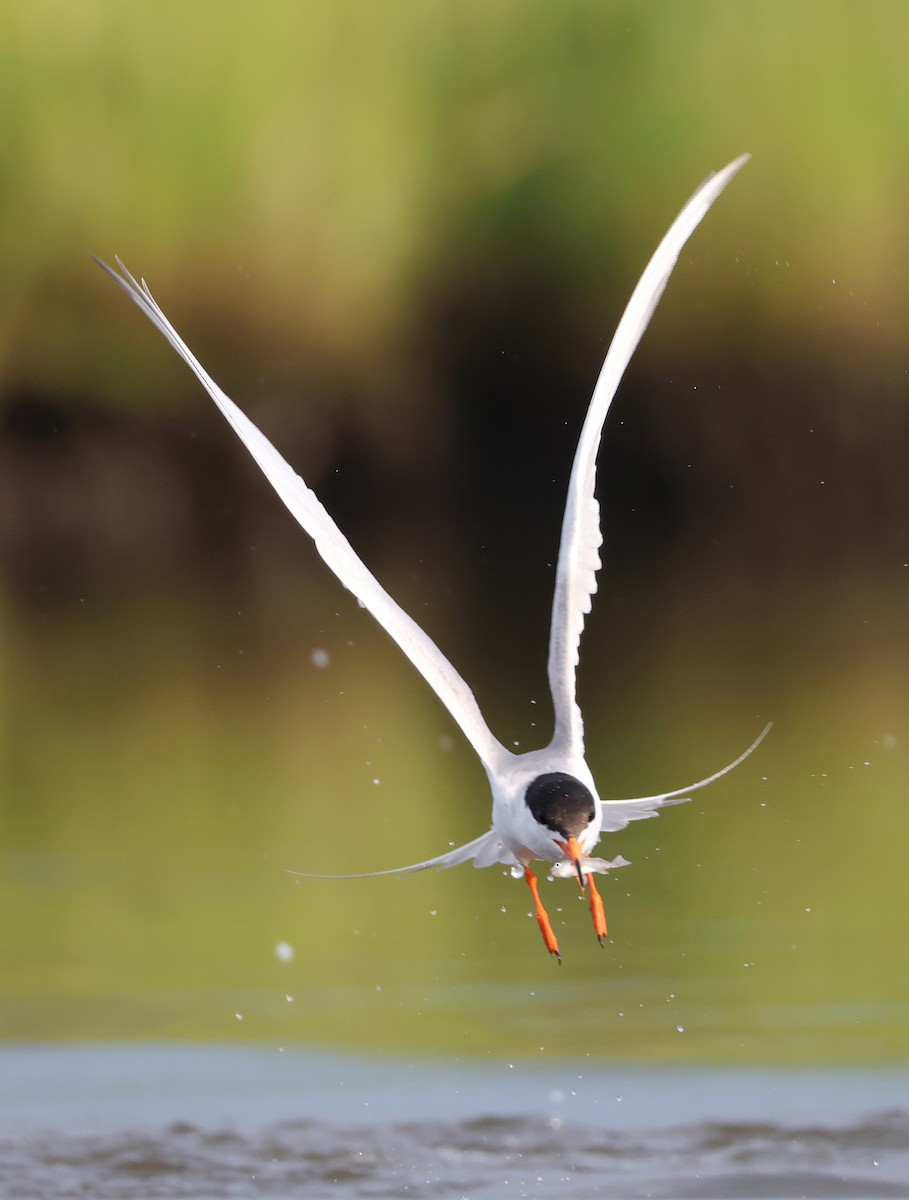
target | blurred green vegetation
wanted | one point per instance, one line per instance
(307, 177)
(401, 235)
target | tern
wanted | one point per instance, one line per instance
(545, 805)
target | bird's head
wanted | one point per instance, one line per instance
(565, 809)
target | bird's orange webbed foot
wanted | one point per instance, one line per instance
(597, 911)
(542, 916)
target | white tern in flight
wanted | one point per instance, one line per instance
(545, 805)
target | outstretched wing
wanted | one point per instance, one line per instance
(485, 851)
(333, 545)
(579, 558)
(619, 813)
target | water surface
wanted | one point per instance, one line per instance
(197, 1122)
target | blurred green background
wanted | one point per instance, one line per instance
(401, 235)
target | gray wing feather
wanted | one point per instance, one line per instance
(331, 543)
(619, 813)
(485, 851)
(579, 558)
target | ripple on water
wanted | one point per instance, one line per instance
(478, 1157)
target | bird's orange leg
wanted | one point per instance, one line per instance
(573, 851)
(596, 910)
(542, 917)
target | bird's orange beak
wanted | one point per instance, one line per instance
(573, 851)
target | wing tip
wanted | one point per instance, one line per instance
(484, 851)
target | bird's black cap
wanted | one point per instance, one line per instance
(561, 803)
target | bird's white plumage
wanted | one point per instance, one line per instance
(579, 558)
(333, 546)
(515, 838)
